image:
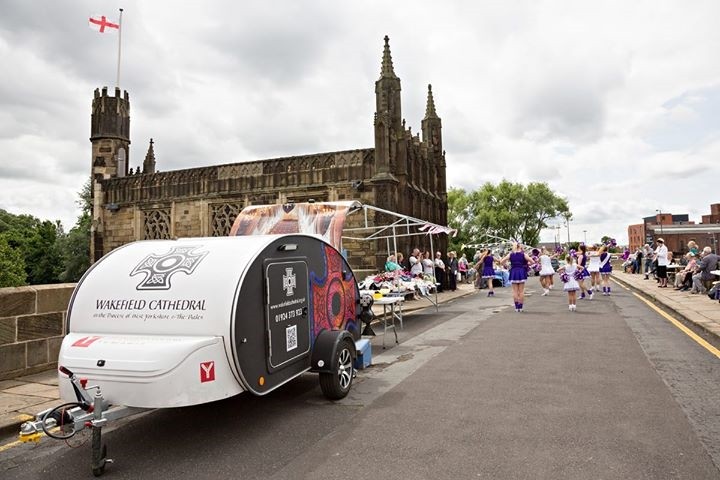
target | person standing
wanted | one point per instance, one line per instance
(594, 269)
(428, 266)
(519, 263)
(415, 262)
(568, 275)
(452, 271)
(463, 267)
(440, 272)
(638, 260)
(605, 270)
(582, 259)
(546, 271)
(661, 253)
(486, 265)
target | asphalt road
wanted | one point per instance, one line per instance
(612, 391)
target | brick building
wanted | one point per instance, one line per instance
(402, 173)
(677, 231)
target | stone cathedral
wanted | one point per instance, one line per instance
(403, 173)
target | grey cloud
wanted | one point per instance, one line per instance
(566, 111)
(282, 48)
(698, 123)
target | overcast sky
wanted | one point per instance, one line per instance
(615, 104)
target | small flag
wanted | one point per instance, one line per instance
(101, 24)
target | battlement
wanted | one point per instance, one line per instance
(110, 115)
(97, 94)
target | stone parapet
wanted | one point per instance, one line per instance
(32, 324)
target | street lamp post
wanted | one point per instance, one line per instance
(659, 212)
(557, 236)
(567, 224)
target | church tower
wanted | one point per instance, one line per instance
(388, 133)
(110, 138)
(432, 137)
(388, 117)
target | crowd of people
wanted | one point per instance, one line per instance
(583, 272)
(693, 270)
(512, 269)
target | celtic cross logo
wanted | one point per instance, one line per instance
(289, 282)
(159, 268)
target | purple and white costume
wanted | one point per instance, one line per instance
(546, 268)
(605, 266)
(585, 273)
(518, 267)
(488, 270)
(571, 285)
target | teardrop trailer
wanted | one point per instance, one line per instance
(171, 323)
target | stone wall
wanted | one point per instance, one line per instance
(32, 325)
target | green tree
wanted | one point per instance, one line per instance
(460, 216)
(12, 265)
(48, 254)
(506, 210)
(37, 242)
(43, 260)
(75, 246)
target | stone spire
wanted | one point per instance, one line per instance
(149, 163)
(430, 108)
(386, 70)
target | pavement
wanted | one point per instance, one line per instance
(696, 309)
(22, 398)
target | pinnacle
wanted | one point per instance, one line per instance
(386, 70)
(430, 108)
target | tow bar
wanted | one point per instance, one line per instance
(64, 421)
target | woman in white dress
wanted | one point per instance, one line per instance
(594, 269)
(546, 271)
(428, 265)
(568, 274)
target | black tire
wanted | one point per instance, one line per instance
(336, 385)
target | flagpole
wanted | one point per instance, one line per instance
(117, 82)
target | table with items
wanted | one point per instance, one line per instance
(392, 310)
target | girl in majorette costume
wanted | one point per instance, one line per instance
(546, 272)
(519, 263)
(535, 255)
(486, 265)
(594, 269)
(569, 274)
(582, 259)
(605, 269)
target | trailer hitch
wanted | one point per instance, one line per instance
(64, 421)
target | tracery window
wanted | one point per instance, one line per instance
(222, 217)
(157, 224)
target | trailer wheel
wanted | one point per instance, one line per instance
(336, 385)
